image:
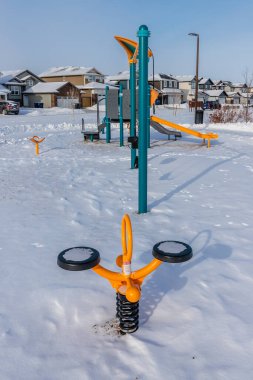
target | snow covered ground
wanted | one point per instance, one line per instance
(195, 317)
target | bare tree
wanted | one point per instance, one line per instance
(248, 80)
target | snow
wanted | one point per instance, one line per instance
(45, 88)
(171, 247)
(69, 70)
(195, 317)
(78, 254)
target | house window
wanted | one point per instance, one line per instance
(29, 82)
(193, 85)
(15, 90)
(170, 84)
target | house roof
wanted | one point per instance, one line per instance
(232, 94)
(215, 93)
(185, 78)
(204, 80)
(161, 76)
(8, 75)
(122, 75)
(46, 88)
(69, 70)
(3, 90)
(95, 86)
(239, 85)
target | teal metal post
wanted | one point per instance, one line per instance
(133, 108)
(148, 116)
(121, 130)
(107, 119)
(143, 34)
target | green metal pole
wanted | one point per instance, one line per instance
(133, 108)
(121, 131)
(107, 119)
(148, 116)
(143, 34)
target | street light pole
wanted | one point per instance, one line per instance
(197, 73)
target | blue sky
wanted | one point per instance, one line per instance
(41, 34)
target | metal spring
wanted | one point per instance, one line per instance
(128, 314)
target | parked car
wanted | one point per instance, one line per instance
(7, 107)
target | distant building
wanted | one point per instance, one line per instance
(78, 76)
(55, 94)
(16, 82)
(92, 92)
(168, 88)
(122, 78)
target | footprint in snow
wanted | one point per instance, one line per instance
(37, 245)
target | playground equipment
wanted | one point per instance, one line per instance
(37, 140)
(127, 284)
(92, 135)
(205, 136)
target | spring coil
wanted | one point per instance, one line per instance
(128, 314)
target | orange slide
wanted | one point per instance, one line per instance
(205, 136)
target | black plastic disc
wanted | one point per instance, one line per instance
(71, 258)
(172, 251)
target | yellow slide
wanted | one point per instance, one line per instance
(205, 136)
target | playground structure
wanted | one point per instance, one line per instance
(37, 140)
(128, 283)
(205, 136)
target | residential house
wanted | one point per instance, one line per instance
(217, 96)
(223, 85)
(204, 84)
(233, 97)
(93, 92)
(17, 81)
(168, 88)
(246, 98)
(3, 92)
(186, 83)
(122, 78)
(239, 87)
(54, 94)
(78, 76)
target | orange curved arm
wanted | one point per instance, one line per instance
(37, 140)
(108, 274)
(127, 247)
(145, 271)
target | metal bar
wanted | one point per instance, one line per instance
(133, 108)
(143, 34)
(121, 130)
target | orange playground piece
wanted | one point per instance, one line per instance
(37, 140)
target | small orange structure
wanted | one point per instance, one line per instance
(37, 140)
(127, 284)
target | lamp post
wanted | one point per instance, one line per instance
(197, 73)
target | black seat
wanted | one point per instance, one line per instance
(78, 258)
(171, 251)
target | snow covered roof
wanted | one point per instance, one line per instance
(204, 80)
(239, 85)
(185, 78)
(215, 93)
(45, 88)
(245, 94)
(123, 75)
(95, 86)
(69, 70)
(171, 91)
(3, 90)
(162, 76)
(232, 94)
(8, 75)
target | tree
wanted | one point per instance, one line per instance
(248, 80)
